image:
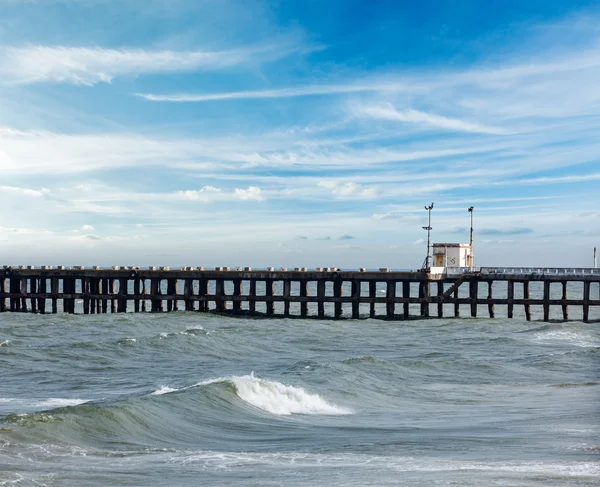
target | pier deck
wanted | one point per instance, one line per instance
(304, 293)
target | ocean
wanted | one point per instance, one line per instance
(188, 398)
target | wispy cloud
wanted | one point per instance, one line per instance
(396, 216)
(91, 65)
(313, 90)
(349, 189)
(15, 190)
(388, 112)
(505, 231)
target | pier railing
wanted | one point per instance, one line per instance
(540, 271)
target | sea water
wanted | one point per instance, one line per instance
(189, 398)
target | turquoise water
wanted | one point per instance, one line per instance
(190, 399)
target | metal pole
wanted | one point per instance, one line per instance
(470, 209)
(428, 228)
(429, 240)
(595, 261)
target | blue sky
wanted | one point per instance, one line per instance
(298, 133)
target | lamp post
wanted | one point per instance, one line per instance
(470, 210)
(428, 228)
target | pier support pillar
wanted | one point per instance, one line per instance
(54, 291)
(43, 290)
(202, 293)
(473, 290)
(144, 293)
(390, 295)
(303, 304)
(136, 292)
(123, 291)
(565, 306)
(406, 297)
(112, 290)
(355, 299)
(424, 293)
(66, 289)
(237, 292)
(252, 297)
(104, 291)
(338, 292)
(270, 292)
(456, 304)
(320, 298)
(287, 289)
(586, 301)
(32, 291)
(15, 288)
(3, 291)
(85, 289)
(490, 297)
(372, 296)
(546, 304)
(220, 303)
(440, 295)
(526, 296)
(510, 293)
(23, 291)
(72, 291)
(171, 291)
(93, 287)
(154, 294)
(188, 291)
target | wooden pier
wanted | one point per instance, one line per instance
(321, 293)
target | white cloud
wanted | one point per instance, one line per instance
(210, 189)
(396, 216)
(252, 193)
(87, 228)
(14, 230)
(277, 93)
(419, 241)
(349, 189)
(388, 112)
(37, 193)
(191, 195)
(92, 65)
(497, 242)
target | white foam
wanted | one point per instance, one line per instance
(573, 338)
(59, 402)
(280, 399)
(5, 343)
(163, 390)
(51, 402)
(377, 463)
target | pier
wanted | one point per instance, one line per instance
(321, 293)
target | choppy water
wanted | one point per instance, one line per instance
(192, 399)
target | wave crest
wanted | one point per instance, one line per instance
(279, 399)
